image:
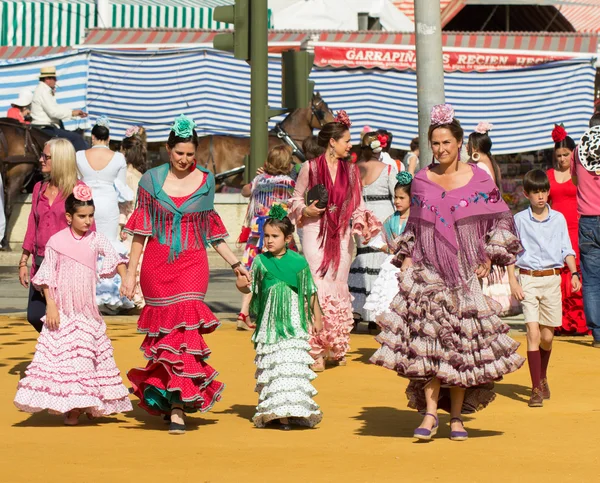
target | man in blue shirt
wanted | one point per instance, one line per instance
(547, 247)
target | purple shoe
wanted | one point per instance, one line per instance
(458, 435)
(427, 434)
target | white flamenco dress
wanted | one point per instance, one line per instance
(385, 287)
(109, 188)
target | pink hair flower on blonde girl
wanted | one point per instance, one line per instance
(484, 127)
(442, 114)
(82, 192)
(342, 118)
(132, 131)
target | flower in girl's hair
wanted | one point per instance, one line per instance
(82, 192)
(559, 133)
(383, 140)
(484, 127)
(103, 121)
(404, 178)
(132, 131)
(183, 127)
(353, 157)
(278, 212)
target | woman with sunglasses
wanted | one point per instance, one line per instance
(47, 216)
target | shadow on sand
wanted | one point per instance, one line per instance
(390, 422)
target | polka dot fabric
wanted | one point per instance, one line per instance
(174, 320)
(73, 366)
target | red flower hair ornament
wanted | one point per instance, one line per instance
(559, 133)
(342, 118)
(383, 140)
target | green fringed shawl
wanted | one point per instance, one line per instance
(277, 279)
(166, 216)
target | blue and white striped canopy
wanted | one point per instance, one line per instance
(152, 88)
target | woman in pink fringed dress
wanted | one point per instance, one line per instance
(73, 370)
(327, 236)
(442, 332)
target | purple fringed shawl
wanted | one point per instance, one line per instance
(448, 225)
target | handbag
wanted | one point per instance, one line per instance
(319, 194)
(244, 235)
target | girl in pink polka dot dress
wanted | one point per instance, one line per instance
(73, 370)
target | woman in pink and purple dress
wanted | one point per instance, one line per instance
(327, 236)
(442, 332)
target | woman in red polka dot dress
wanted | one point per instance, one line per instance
(175, 213)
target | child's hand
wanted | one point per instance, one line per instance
(516, 290)
(52, 316)
(384, 249)
(127, 289)
(242, 283)
(575, 283)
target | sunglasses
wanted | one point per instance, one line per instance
(45, 157)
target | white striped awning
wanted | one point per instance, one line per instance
(52, 23)
(152, 88)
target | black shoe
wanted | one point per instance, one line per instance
(176, 428)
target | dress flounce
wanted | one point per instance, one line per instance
(73, 367)
(334, 340)
(454, 335)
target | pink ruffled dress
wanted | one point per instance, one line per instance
(73, 366)
(334, 296)
(440, 324)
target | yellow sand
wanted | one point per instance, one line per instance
(365, 435)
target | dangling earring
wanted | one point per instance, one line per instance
(193, 166)
(331, 152)
(475, 156)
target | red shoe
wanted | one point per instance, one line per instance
(244, 323)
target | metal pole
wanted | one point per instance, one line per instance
(104, 13)
(259, 78)
(430, 69)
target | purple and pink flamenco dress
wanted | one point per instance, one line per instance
(440, 324)
(73, 366)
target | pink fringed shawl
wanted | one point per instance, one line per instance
(79, 250)
(344, 198)
(461, 219)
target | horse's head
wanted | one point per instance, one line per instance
(320, 112)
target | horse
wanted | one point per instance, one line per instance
(20, 149)
(223, 154)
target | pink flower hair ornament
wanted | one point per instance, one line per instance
(82, 192)
(132, 131)
(342, 118)
(484, 127)
(442, 114)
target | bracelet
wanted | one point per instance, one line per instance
(576, 273)
(235, 265)
(23, 264)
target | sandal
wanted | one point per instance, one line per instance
(458, 435)
(72, 417)
(244, 323)
(318, 365)
(426, 434)
(177, 428)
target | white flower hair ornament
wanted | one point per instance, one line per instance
(376, 146)
(103, 121)
(484, 127)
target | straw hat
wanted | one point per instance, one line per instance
(25, 98)
(48, 71)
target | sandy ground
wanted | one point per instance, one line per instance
(365, 436)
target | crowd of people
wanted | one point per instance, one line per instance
(406, 252)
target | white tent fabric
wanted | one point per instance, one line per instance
(214, 88)
(336, 14)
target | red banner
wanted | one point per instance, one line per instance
(406, 59)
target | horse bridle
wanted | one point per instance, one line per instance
(318, 113)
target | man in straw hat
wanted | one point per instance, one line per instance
(585, 171)
(48, 115)
(21, 107)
